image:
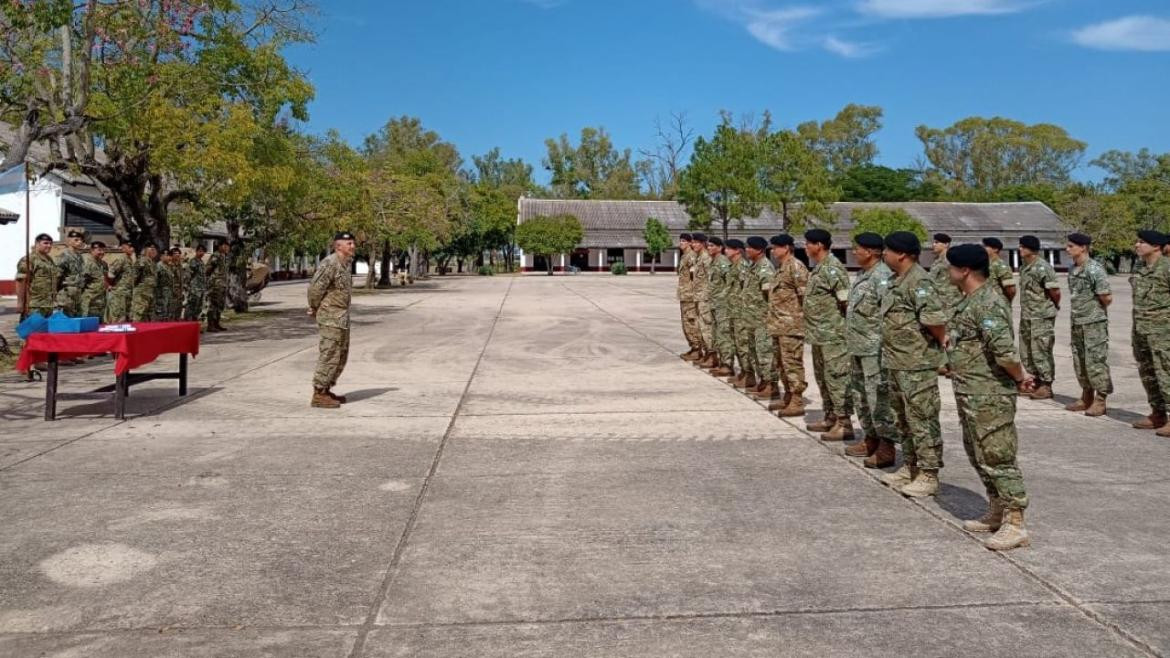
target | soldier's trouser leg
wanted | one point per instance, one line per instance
(706, 326)
(989, 437)
(332, 353)
(790, 363)
(765, 358)
(724, 339)
(915, 399)
(871, 395)
(215, 304)
(837, 376)
(743, 350)
(690, 322)
(1152, 353)
(93, 308)
(818, 362)
(1090, 347)
(1037, 338)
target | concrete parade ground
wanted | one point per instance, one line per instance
(526, 467)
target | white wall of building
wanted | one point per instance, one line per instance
(46, 210)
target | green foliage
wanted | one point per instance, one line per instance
(884, 221)
(846, 140)
(791, 173)
(721, 183)
(618, 269)
(656, 236)
(875, 183)
(549, 235)
(593, 169)
(486, 270)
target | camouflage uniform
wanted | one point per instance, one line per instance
(1002, 277)
(164, 293)
(948, 295)
(217, 275)
(44, 278)
(741, 319)
(72, 267)
(910, 357)
(1090, 326)
(145, 279)
(1151, 329)
(786, 323)
(121, 273)
(1038, 319)
(719, 287)
(93, 288)
(863, 339)
(329, 295)
(757, 282)
(196, 286)
(701, 281)
(981, 339)
(824, 326)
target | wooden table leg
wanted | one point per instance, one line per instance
(120, 386)
(51, 389)
(183, 374)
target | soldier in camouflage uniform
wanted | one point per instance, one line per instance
(145, 281)
(686, 298)
(93, 285)
(741, 325)
(71, 262)
(196, 286)
(863, 339)
(164, 289)
(786, 325)
(988, 376)
(825, 300)
(121, 274)
(1151, 327)
(948, 295)
(329, 297)
(1039, 302)
(757, 282)
(217, 284)
(38, 279)
(706, 317)
(1001, 272)
(179, 276)
(719, 287)
(1088, 286)
(913, 333)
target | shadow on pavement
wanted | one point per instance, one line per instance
(1122, 415)
(960, 502)
(366, 394)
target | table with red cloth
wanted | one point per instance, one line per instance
(131, 349)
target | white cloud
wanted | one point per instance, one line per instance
(850, 49)
(775, 27)
(938, 8)
(1145, 33)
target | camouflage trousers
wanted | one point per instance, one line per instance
(1036, 340)
(216, 300)
(762, 351)
(706, 325)
(93, 306)
(831, 370)
(916, 403)
(69, 301)
(1151, 350)
(871, 397)
(117, 307)
(141, 309)
(165, 309)
(989, 437)
(1090, 348)
(745, 346)
(332, 353)
(724, 334)
(690, 323)
(789, 363)
(193, 308)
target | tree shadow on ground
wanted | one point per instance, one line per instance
(287, 324)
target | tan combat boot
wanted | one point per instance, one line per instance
(991, 520)
(712, 361)
(1164, 430)
(1011, 533)
(737, 381)
(685, 355)
(841, 430)
(1042, 392)
(901, 477)
(321, 400)
(823, 425)
(1152, 422)
(767, 392)
(883, 457)
(778, 405)
(926, 484)
(1097, 408)
(340, 398)
(864, 447)
(694, 355)
(723, 371)
(749, 382)
(1083, 403)
(795, 407)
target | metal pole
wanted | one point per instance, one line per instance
(27, 242)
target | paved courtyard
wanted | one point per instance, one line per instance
(527, 468)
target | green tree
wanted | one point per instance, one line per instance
(549, 235)
(884, 221)
(657, 239)
(794, 181)
(846, 140)
(876, 183)
(592, 169)
(1108, 218)
(1149, 196)
(721, 183)
(497, 185)
(1122, 167)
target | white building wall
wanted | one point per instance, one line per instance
(46, 209)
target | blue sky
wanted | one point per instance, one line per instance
(511, 73)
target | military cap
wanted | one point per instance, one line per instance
(685, 236)
(994, 243)
(903, 242)
(698, 237)
(756, 242)
(44, 236)
(1152, 237)
(971, 256)
(1030, 241)
(200, 247)
(819, 236)
(343, 235)
(783, 240)
(175, 251)
(868, 240)
(123, 241)
(717, 241)
(1080, 239)
(97, 243)
(74, 233)
(942, 237)
(734, 243)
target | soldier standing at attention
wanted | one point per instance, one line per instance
(1088, 286)
(686, 298)
(1151, 320)
(825, 301)
(719, 287)
(786, 325)
(145, 280)
(196, 286)
(1039, 302)
(863, 338)
(217, 282)
(913, 334)
(121, 274)
(948, 295)
(93, 282)
(1001, 272)
(701, 277)
(71, 262)
(329, 296)
(740, 323)
(164, 288)
(757, 282)
(37, 279)
(988, 377)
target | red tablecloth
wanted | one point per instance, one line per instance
(133, 349)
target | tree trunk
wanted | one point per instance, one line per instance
(387, 256)
(653, 258)
(371, 258)
(414, 272)
(237, 292)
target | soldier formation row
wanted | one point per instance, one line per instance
(138, 287)
(880, 342)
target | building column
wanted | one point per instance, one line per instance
(676, 259)
(1051, 258)
(600, 259)
(638, 260)
(562, 262)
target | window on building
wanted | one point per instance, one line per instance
(615, 256)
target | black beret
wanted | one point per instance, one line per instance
(782, 240)
(868, 240)
(175, 251)
(74, 233)
(994, 243)
(44, 236)
(756, 242)
(1080, 239)
(715, 240)
(698, 237)
(1030, 241)
(819, 236)
(343, 235)
(733, 243)
(685, 236)
(942, 237)
(903, 242)
(1152, 237)
(200, 247)
(97, 243)
(969, 255)
(124, 241)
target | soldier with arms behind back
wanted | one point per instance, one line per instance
(1039, 302)
(1090, 296)
(1151, 327)
(329, 298)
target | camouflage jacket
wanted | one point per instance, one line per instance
(686, 284)
(1001, 275)
(44, 278)
(757, 280)
(1036, 279)
(948, 295)
(329, 292)
(122, 273)
(164, 288)
(1085, 283)
(982, 344)
(196, 277)
(1151, 296)
(786, 299)
(72, 266)
(93, 280)
(216, 271)
(700, 276)
(145, 280)
(863, 318)
(828, 287)
(907, 309)
(719, 280)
